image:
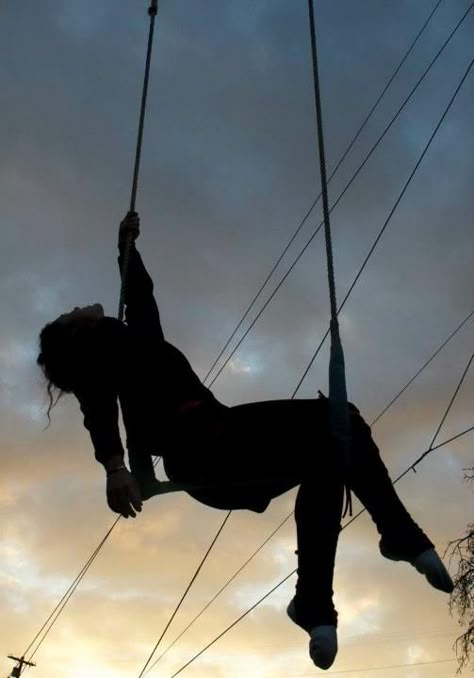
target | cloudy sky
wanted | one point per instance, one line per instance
(230, 168)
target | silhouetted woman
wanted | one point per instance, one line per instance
(243, 456)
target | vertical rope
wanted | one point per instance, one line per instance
(338, 407)
(152, 12)
(322, 164)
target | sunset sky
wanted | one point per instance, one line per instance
(229, 170)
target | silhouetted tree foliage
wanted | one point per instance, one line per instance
(462, 598)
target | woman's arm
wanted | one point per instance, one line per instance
(141, 312)
(100, 410)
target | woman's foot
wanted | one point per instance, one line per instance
(431, 565)
(323, 639)
(428, 563)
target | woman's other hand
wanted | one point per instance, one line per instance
(123, 494)
(129, 227)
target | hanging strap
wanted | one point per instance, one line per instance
(152, 12)
(339, 420)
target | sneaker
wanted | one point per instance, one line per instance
(428, 563)
(322, 641)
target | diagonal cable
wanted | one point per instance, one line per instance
(67, 595)
(379, 668)
(433, 355)
(453, 398)
(228, 582)
(341, 195)
(69, 592)
(432, 446)
(193, 579)
(339, 163)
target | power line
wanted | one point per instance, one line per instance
(72, 588)
(377, 668)
(445, 342)
(341, 195)
(338, 164)
(236, 573)
(67, 595)
(436, 447)
(193, 579)
(452, 399)
(432, 446)
(412, 467)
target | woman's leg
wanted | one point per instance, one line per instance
(289, 438)
(318, 512)
(369, 479)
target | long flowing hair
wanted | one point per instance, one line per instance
(72, 354)
(55, 359)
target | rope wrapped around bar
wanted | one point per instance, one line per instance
(339, 420)
(166, 486)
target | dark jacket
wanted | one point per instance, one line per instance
(149, 376)
(151, 379)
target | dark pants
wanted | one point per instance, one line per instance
(270, 447)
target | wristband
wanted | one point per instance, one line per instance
(117, 468)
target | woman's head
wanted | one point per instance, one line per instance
(76, 347)
(81, 314)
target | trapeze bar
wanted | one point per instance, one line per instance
(167, 486)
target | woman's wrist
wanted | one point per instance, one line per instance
(113, 464)
(116, 469)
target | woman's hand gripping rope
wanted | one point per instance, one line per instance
(129, 227)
